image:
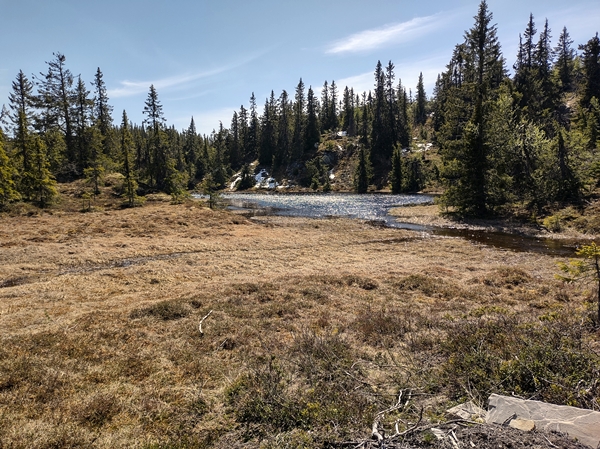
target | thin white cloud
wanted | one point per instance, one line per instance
(130, 88)
(394, 33)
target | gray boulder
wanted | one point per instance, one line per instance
(577, 423)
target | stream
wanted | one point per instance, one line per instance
(375, 207)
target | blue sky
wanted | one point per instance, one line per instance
(206, 57)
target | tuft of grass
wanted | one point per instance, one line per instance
(164, 310)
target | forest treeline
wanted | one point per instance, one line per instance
(526, 138)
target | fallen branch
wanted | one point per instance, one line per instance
(202, 321)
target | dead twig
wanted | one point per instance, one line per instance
(202, 320)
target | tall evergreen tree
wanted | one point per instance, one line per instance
(8, 173)
(82, 115)
(591, 69)
(381, 142)
(396, 173)
(465, 143)
(420, 102)
(268, 133)
(333, 108)
(284, 138)
(299, 122)
(159, 160)
(325, 118)
(312, 136)
(391, 104)
(56, 97)
(362, 172)
(103, 112)
(130, 181)
(21, 104)
(41, 185)
(565, 57)
(348, 114)
(251, 144)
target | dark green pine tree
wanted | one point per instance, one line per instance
(159, 160)
(191, 151)
(381, 143)
(82, 117)
(284, 138)
(565, 57)
(41, 184)
(299, 123)
(477, 71)
(8, 174)
(591, 70)
(348, 114)
(243, 133)
(324, 118)
(362, 172)
(103, 113)
(268, 133)
(312, 136)
(21, 105)
(252, 142)
(396, 173)
(391, 104)
(130, 181)
(55, 99)
(420, 103)
(235, 147)
(403, 122)
(333, 107)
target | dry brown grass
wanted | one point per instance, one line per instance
(316, 325)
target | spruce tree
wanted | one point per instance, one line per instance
(284, 138)
(55, 99)
(8, 173)
(82, 115)
(159, 159)
(591, 70)
(396, 173)
(420, 102)
(41, 184)
(251, 144)
(476, 71)
(565, 57)
(325, 118)
(130, 181)
(103, 112)
(312, 136)
(299, 123)
(381, 142)
(22, 104)
(362, 172)
(268, 133)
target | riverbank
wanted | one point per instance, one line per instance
(430, 215)
(316, 326)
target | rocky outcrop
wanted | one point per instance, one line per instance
(584, 425)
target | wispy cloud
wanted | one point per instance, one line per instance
(393, 33)
(130, 88)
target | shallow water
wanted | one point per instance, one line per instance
(375, 207)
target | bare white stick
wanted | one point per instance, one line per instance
(202, 320)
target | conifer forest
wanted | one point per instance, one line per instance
(510, 131)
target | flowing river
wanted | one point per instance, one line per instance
(375, 207)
